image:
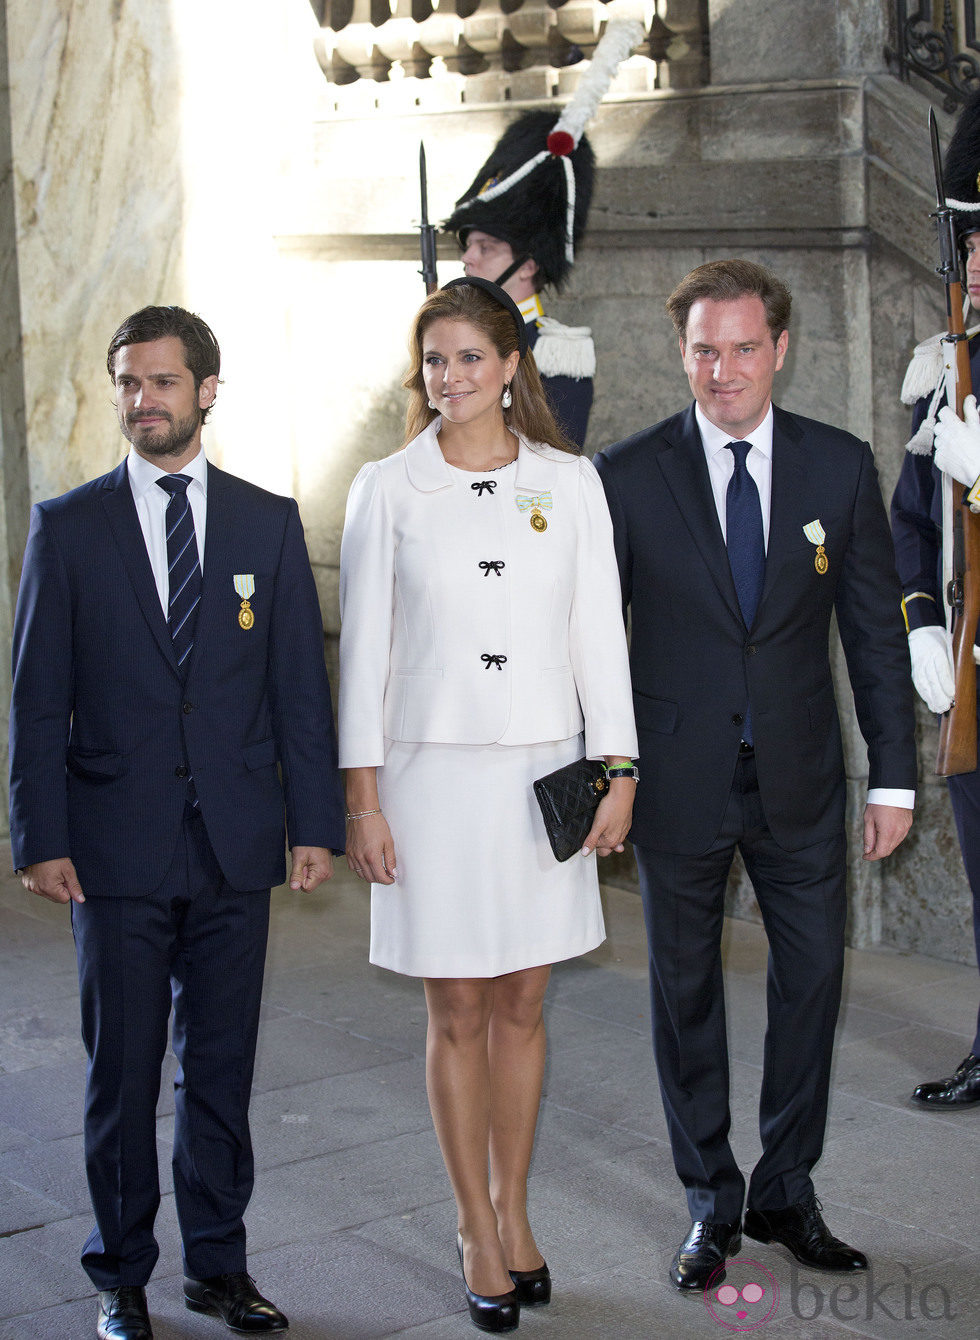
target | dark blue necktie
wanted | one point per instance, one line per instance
(183, 567)
(746, 544)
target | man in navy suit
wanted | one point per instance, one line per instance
(740, 530)
(170, 720)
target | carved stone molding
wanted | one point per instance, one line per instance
(396, 55)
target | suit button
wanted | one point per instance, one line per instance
(737, 718)
(750, 650)
(180, 771)
(187, 707)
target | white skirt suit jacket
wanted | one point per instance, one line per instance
(465, 629)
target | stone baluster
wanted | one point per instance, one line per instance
(500, 50)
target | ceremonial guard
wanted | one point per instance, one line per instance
(944, 445)
(522, 218)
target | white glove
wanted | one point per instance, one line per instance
(958, 442)
(932, 666)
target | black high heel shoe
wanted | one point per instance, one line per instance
(533, 1287)
(489, 1312)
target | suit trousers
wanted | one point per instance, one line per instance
(964, 793)
(196, 947)
(803, 901)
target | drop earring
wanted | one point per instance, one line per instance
(506, 400)
(431, 405)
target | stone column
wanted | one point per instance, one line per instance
(13, 433)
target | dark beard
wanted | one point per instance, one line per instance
(173, 443)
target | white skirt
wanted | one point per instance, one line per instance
(479, 892)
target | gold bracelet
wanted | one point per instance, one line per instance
(363, 814)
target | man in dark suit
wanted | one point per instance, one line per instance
(170, 707)
(740, 530)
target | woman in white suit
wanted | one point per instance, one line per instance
(482, 635)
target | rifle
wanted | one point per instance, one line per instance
(958, 728)
(427, 232)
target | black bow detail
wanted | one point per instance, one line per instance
(482, 484)
(491, 565)
(496, 660)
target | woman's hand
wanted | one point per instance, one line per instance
(370, 850)
(612, 818)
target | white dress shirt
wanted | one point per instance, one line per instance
(758, 462)
(151, 508)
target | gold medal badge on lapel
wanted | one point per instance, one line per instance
(816, 534)
(245, 586)
(537, 504)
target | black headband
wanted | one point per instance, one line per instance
(505, 300)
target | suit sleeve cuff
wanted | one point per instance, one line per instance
(921, 610)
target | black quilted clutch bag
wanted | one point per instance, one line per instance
(569, 799)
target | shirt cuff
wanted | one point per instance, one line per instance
(889, 795)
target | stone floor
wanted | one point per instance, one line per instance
(352, 1225)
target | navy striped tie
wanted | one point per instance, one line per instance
(183, 567)
(746, 544)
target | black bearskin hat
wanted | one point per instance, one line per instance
(532, 214)
(961, 169)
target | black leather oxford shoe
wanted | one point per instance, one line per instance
(123, 1314)
(801, 1230)
(236, 1300)
(961, 1089)
(704, 1249)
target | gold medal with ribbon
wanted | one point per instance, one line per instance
(816, 534)
(245, 586)
(537, 504)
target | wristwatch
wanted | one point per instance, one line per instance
(623, 771)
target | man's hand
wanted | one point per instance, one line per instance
(311, 867)
(885, 826)
(958, 442)
(932, 666)
(53, 879)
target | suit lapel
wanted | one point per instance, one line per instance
(218, 563)
(789, 470)
(686, 473)
(120, 510)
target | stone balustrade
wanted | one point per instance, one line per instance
(480, 51)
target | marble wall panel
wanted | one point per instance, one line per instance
(13, 435)
(95, 132)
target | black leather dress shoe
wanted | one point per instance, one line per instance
(236, 1300)
(123, 1314)
(496, 1312)
(533, 1287)
(802, 1231)
(701, 1253)
(961, 1089)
